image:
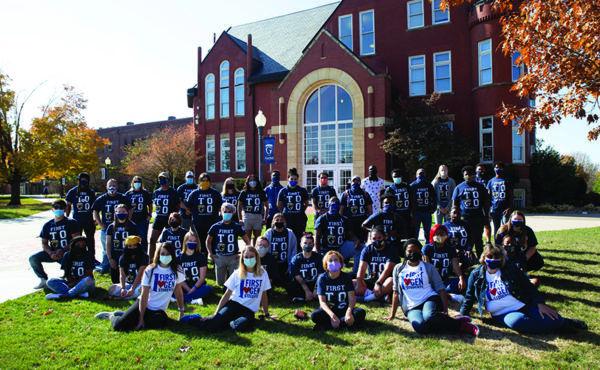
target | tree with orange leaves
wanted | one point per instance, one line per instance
(559, 42)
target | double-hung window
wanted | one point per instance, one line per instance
(486, 139)
(367, 32)
(209, 96)
(485, 62)
(345, 30)
(442, 72)
(415, 14)
(416, 75)
(224, 89)
(239, 91)
(439, 16)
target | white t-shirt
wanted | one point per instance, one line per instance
(498, 300)
(415, 285)
(162, 282)
(248, 291)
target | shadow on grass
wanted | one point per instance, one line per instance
(573, 260)
(568, 285)
(553, 297)
(563, 270)
(569, 251)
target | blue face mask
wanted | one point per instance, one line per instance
(83, 182)
(189, 181)
(498, 171)
(163, 182)
(397, 180)
(58, 213)
(479, 173)
(252, 183)
(388, 208)
(227, 216)
(421, 177)
(355, 186)
(192, 245)
(250, 262)
(334, 208)
(137, 185)
(517, 223)
(122, 216)
(493, 263)
(293, 183)
(378, 244)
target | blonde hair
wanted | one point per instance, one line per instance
(440, 170)
(243, 270)
(508, 228)
(133, 180)
(328, 255)
(186, 238)
(224, 191)
(497, 251)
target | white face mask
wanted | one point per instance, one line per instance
(165, 260)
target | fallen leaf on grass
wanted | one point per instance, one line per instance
(184, 348)
(217, 363)
(343, 361)
(48, 312)
(326, 346)
(77, 359)
(138, 359)
(292, 343)
(52, 356)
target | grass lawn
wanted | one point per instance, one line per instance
(28, 207)
(50, 334)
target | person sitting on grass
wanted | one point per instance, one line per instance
(194, 265)
(163, 277)
(305, 269)
(116, 233)
(524, 237)
(267, 260)
(246, 291)
(78, 264)
(337, 303)
(512, 300)
(378, 259)
(132, 264)
(420, 292)
(174, 233)
(283, 244)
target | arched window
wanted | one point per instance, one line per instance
(239, 91)
(209, 98)
(224, 89)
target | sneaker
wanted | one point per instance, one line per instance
(190, 317)
(52, 296)
(84, 295)
(103, 315)
(577, 324)
(198, 301)
(173, 300)
(41, 285)
(118, 313)
(97, 263)
(457, 297)
(101, 271)
(463, 318)
(467, 327)
(299, 299)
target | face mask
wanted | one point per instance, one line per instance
(279, 225)
(388, 208)
(79, 251)
(334, 266)
(378, 244)
(137, 185)
(163, 182)
(469, 178)
(397, 180)
(479, 173)
(443, 173)
(498, 171)
(372, 173)
(510, 248)
(517, 223)
(307, 248)
(122, 216)
(229, 186)
(263, 250)
(191, 245)
(112, 189)
(355, 186)
(413, 257)
(421, 177)
(204, 185)
(131, 251)
(165, 260)
(250, 262)
(174, 224)
(83, 182)
(58, 213)
(227, 216)
(439, 239)
(189, 181)
(493, 263)
(323, 182)
(252, 183)
(334, 208)
(293, 183)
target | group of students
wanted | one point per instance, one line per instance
(375, 225)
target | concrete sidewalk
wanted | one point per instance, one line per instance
(20, 239)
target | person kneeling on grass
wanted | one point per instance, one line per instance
(78, 264)
(508, 295)
(420, 292)
(163, 277)
(335, 287)
(132, 264)
(194, 265)
(246, 290)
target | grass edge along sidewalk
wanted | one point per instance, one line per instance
(36, 332)
(28, 207)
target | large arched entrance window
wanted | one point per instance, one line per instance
(328, 137)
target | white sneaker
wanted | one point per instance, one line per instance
(198, 301)
(41, 285)
(173, 300)
(84, 295)
(457, 297)
(103, 315)
(52, 296)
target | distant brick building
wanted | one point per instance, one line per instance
(326, 78)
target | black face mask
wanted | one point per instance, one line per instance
(413, 257)
(279, 225)
(229, 186)
(130, 252)
(78, 251)
(174, 224)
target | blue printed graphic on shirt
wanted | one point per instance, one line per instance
(412, 279)
(250, 288)
(164, 282)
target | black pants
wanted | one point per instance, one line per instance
(202, 234)
(536, 262)
(477, 224)
(129, 320)
(233, 316)
(115, 274)
(319, 316)
(90, 229)
(294, 289)
(360, 233)
(298, 229)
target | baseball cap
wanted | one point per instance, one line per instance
(189, 174)
(163, 174)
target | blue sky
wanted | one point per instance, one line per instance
(134, 60)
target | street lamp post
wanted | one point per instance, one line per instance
(107, 162)
(260, 121)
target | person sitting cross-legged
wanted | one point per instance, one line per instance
(78, 264)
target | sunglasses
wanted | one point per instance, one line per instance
(58, 207)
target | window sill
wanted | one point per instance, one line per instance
(430, 26)
(491, 85)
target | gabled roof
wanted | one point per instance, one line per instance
(278, 42)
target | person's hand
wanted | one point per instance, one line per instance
(241, 221)
(113, 264)
(357, 244)
(188, 212)
(102, 226)
(361, 287)
(124, 293)
(461, 283)
(181, 313)
(271, 317)
(140, 325)
(213, 256)
(506, 212)
(309, 295)
(377, 291)
(149, 218)
(469, 255)
(545, 310)
(207, 318)
(263, 222)
(388, 318)
(349, 318)
(335, 322)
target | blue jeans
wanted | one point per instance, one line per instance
(347, 251)
(498, 219)
(428, 317)
(36, 263)
(201, 292)
(143, 229)
(61, 286)
(105, 265)
(233, 316)
(425, 219)
(528, 320)
(452, 285)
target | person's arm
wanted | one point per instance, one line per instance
(280, 205)
(387, 271)
(179, 298)
(209, 247)
(511, 200)
(292, 247)
(123, 281)
(444, 296)
(239, 212)
(351, 304)
(137, 281)
(335, 321)
(143, 304)
(395, 303)
(68, 209)
(309, 295)
(246, 239)
(98, 220)
(226, 297)
(318, 240)
(265, 304)
(266, 216)
(458, 272)
(470, 295)
(109, 241)
(360, 278)
(47, 249)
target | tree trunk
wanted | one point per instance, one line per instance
(15, 189)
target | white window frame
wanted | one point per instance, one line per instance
(340, 18)
(408, 14)
(437, 9)
(211, 167)
(411, 68)
(365, 33)
(224, 89)
(239, 96)
(481, 54)
(436, 64)
(240, 154)
(225, 149)
(515, 131)
(207, 92)
(486, 131)
(520, 67)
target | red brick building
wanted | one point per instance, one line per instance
(325, 79)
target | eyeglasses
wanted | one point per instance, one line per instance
(58, 207)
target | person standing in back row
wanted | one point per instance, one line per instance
(373, 185)
(166, 201)
(272, 192)
(406, 204)
(80, 200)
(444, 187)
(292, 202)
(501, 195)
(183, 191)
(426, 203)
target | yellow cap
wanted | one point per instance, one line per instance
(132, 239)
